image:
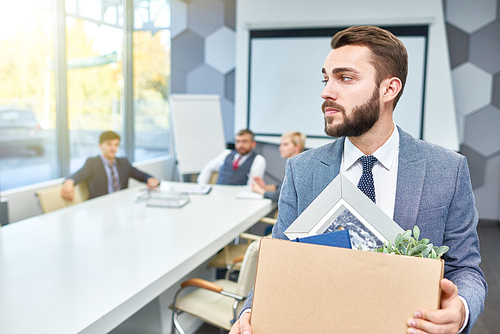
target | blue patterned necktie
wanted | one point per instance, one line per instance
(114, 179)
(365, 183)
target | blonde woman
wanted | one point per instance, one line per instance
(291, 144)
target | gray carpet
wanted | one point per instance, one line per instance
(488, 322)
(489, 237)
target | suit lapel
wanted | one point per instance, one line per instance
(411, 174)
(102, 171)
(328, 165)
(121, 167)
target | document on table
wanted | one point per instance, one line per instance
(167, 200)
(249, 194)
(195, 189)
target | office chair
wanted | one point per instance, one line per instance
(50, 199)
(225, 257)
(217, 303)
(194, 177)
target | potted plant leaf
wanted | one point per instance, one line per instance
(406, 244)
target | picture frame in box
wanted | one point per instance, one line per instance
(341, 205)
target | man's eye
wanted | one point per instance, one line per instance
(324, 81)
(344, 78)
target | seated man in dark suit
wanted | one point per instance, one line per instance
(106, 173)
(235, 166)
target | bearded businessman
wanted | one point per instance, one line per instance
(414, 182)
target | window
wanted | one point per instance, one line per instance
(30, 149)
(28, 152)
(94, 77)
(151, 50)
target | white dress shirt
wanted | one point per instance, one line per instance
(385, 170)
(257, 169)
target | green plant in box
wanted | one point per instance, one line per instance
(406, 244)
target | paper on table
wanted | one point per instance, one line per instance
(167, 200)
(196, 189)
(248, 194)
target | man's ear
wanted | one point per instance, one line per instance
(390, 88)
(254, 144)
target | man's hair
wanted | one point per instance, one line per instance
(244, 132)
(108, 135)
(390, 57)
(297, 138)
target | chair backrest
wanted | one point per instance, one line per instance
(213, 178)
(50, 199)
(83, 189)
(246, 277)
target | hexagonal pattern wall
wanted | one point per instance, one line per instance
(187, 61)
(205, 16)
(203, 49)
(472, 88)
(496, 90)
(458, 42)
(197, 79)
(477, 125)
(473, 29)
(179, 21)
(470, 15)
(483, 53)
(220, 47)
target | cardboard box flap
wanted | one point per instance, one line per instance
(305, 288)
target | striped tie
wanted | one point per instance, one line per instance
(114, 179)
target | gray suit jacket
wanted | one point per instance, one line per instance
(433, 191)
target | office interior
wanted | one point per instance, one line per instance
(202, 47)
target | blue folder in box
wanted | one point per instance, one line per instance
(336, 239)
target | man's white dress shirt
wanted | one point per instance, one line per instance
(258, 166)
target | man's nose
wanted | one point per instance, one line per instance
(329, 92)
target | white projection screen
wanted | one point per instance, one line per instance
(285, 80)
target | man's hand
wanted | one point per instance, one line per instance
(259, 181)
(449, 319)
(242, 325)
(258, 189)
(68, 190)
(152, 182)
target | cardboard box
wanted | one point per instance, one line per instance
(304, 288)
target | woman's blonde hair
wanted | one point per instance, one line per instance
(297, 138)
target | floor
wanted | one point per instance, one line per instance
(489, 236)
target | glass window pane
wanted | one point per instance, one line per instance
(28, 151)
(95, 86)
(151, 81)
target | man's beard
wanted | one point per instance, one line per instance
(362, 118)
(243, 151)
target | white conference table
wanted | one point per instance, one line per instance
(88, 267)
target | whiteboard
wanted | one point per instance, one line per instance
(285, 82)
(197, 130)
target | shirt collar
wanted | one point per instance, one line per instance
(106, 161)
(384, 154)
(237, 155)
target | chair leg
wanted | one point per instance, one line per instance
(172, 330)
(175, 324)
